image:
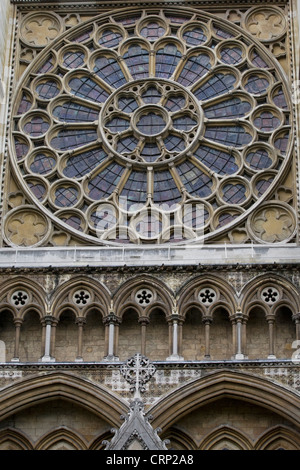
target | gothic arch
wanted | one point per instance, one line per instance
(228, 435)
(96, 398)
(61, 438)
(99, 296)
(97, 444)
(241, 386)
(188, 294)
(290, 299)
(278, 434)
(178, 436)
(15, 440)
(124, 296)
(18, 287)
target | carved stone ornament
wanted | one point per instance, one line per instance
(144, 297)
(25, 226)
(137, 371)
(267, 24)
(273, 223)
(38, 29)
(270, 295)
(19, 298)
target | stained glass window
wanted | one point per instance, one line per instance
(155, 109)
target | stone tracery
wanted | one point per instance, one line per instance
(126, 122)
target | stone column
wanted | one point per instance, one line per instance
(296, 343)
(111, 321)
(47, 322)
(239, 320)
(296, 318)
(271, 322)
(80, 321)
(174, 322)
(143, 321)
(207, 322)
(18, 323)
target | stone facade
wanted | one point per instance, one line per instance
(218, 318)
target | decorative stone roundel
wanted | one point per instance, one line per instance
(144, 297)
(19, 298)
(150, 126)
(81, 297)
(270, 295)
(207, 296)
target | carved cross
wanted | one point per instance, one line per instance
(137, 371)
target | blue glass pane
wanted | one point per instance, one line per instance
(228, 109)
(195, 36)
(215, 86)
(42, 164)
(127, 144)
(135, 189)
(216, 160)
(173, 143)
(167, 60)
(175, 103)
(231, 55)
(70, 111)
(235, 136)
(151, 124)
(87, 88)
(137, 61)
(184, 123)
(165, 189)
(68, 139)
(104, 184)
(150, 152)
(73, 59)
(195, 68)
(152, 95)
(110, 71)
(128, 105)
(196, 182)
(234, 193)
(259, 159)
(82, 163)
(117, 125)
(110, 38)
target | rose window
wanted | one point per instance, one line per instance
(151, 127)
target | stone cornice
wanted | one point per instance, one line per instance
(199, 268)
(180, 365)
(142, 3)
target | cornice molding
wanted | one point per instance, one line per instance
(160, 365)
(277, 267)
(120, 3)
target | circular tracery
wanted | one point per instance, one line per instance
(145, 115)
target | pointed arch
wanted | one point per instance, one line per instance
(225, 384)
(291, 300)
(95, 398)
(60, 298)
(61, 436)
(187, 299)
(12, 439)
(37, 301)
(228, 435)
(123, 296)
(175, 436)
(276, 436)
